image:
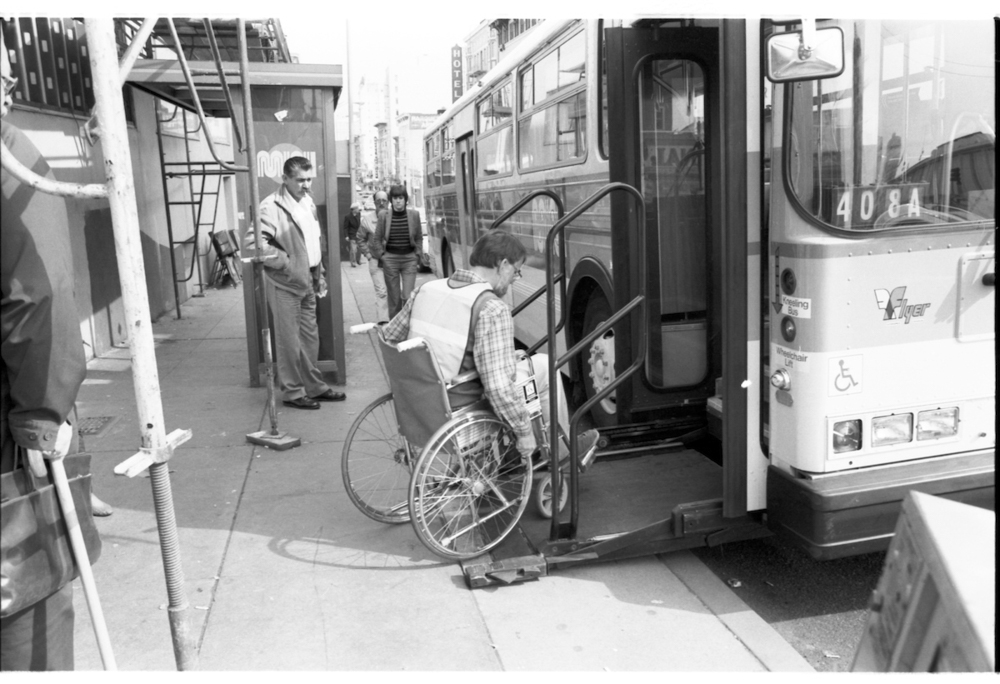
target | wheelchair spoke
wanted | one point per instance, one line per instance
(469, 487)
(376, 464)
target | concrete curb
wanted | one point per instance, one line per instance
(776, 654)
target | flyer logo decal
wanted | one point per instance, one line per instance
(896, 307)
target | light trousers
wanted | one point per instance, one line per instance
(378, 281)
(296, 339)
(540, 364)
(400, 271)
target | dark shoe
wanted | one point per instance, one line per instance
(302, 403)
(99, 508)
(330, 395)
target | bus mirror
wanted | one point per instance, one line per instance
(804, 55)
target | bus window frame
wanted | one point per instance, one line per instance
(792, 197)
(855, 234)
(495, 130)
(603, 135)
(554, 99)
(447, 133)
(429, 147)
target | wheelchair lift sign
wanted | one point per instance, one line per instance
(845, 375)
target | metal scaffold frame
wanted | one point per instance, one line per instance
(156, 446)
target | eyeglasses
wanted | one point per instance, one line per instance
(517, 274)
(9, 84)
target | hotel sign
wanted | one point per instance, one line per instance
(456, 73)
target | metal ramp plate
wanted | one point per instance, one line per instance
(514, 560)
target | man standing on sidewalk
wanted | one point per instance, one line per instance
(294, 279)
(351, 224)
(366, 233)
(43, 366)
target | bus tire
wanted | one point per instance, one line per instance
(597, 364)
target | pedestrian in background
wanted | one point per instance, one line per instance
(399, 243)
(366, 236)
(351, 224)
(294, 278)
(43, 366)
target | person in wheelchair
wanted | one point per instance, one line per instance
(468, 327)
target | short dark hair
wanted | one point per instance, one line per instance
(293, 164)
(399, 191)
(495, 246)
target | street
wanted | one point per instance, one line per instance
(819, 608)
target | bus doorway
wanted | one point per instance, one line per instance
(669, 142)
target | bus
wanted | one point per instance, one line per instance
(816, 258)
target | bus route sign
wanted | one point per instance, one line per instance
(869, 206)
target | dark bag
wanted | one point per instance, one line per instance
(36, 559)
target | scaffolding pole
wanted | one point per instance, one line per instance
(155, 445)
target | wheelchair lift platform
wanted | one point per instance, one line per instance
(654, 503)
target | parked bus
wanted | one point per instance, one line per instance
(818, 248)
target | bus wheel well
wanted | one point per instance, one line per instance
(583, 291)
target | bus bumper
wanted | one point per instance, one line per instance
(855, 512)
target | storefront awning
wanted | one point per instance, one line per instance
(164, 79)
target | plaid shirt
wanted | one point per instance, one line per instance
(492, 350)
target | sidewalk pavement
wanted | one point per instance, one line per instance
(282, 573)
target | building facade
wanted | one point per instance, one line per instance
(410, 158)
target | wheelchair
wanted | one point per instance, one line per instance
(455, 474)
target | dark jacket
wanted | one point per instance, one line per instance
(351, 225)
(384, 222)
(42, 351)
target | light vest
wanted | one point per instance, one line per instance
(442, 315)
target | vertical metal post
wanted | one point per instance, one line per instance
(258, 265)
(128, 248)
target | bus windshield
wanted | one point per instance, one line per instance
(905, 136)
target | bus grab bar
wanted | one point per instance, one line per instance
(560, 211)
(568, 531)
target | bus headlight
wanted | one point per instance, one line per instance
(937, 424)
(894, 429)
(846, 436)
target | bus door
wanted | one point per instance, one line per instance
(666, 141)
(465, 188)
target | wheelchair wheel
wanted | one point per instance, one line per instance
(470, 486)
(376, 464)
(543, 495)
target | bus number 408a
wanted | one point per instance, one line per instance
(856, 207)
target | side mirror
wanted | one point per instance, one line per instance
(804, 55)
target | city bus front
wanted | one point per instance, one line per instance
(880, 266)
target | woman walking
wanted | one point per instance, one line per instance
(399, 237)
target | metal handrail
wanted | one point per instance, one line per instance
(217, 56)
(557, 531)
(182, 60)
(561, 278)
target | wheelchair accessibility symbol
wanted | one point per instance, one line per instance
(845, 375)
